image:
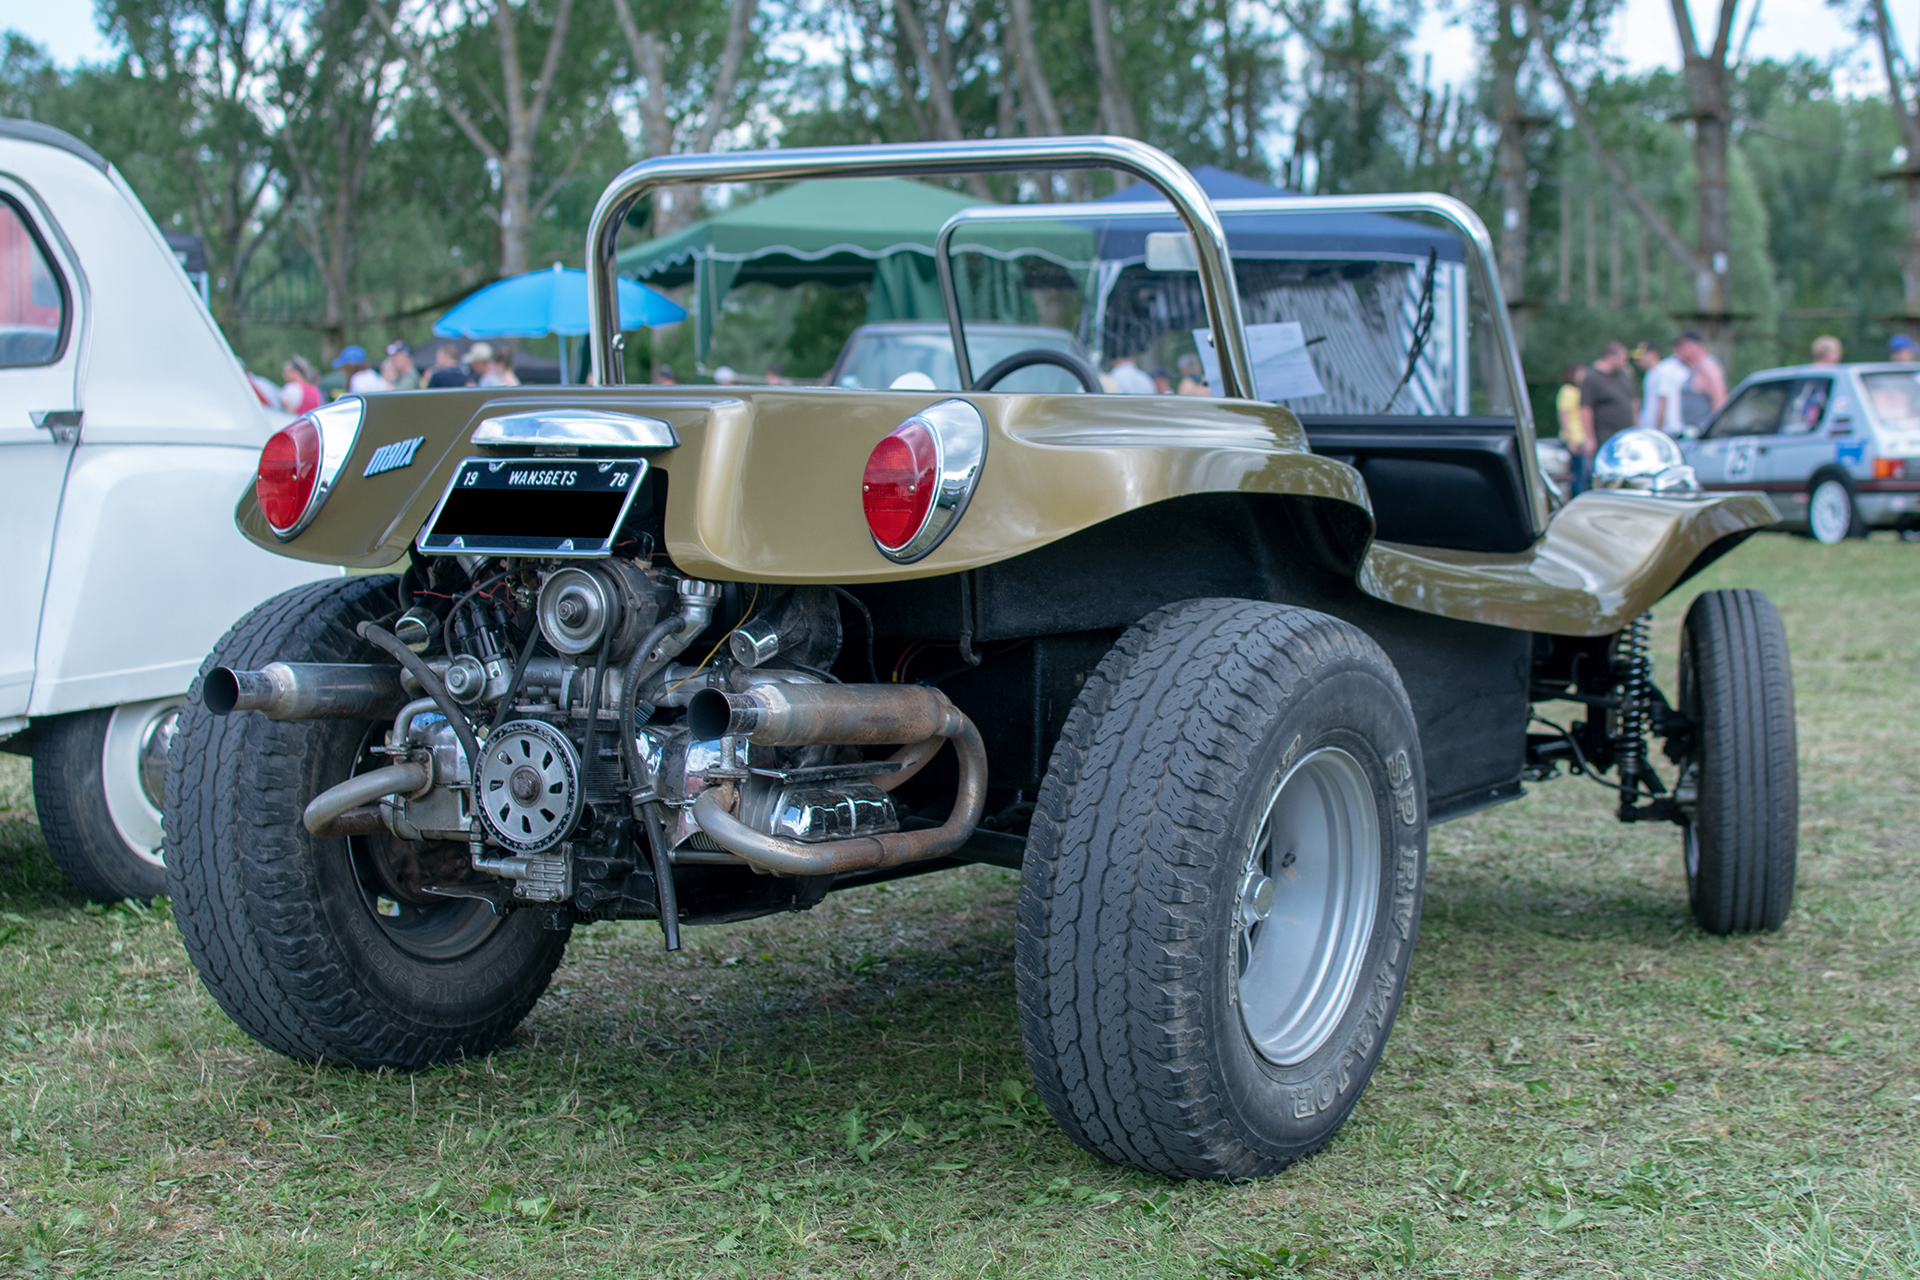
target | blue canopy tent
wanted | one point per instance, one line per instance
(538, 303)
(1292, 235)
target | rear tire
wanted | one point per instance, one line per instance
(1230, 762)
(287, 929)
(99, 808)
(1736, 685)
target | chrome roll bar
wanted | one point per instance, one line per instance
(924, 159)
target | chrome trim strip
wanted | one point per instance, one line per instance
(338, 425)
(992, 155)
(580, 428)
(960, 451)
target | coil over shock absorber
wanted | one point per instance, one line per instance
(1634, 664)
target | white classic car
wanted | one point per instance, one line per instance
(127, 431)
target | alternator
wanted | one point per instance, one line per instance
(529, 786)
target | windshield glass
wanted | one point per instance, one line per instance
(1348, 314)
(920, 357)
(1895, 398)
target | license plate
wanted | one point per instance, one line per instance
(533, 507)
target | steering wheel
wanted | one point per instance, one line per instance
(1088, 379)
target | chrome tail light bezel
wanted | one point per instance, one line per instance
(959, 432)
(338, 426)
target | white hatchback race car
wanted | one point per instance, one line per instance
(127, 431)
(1837, 447)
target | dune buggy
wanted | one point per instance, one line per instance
(1203, 669)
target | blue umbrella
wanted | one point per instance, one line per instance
(549, 302)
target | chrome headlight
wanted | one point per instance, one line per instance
(1646, 460)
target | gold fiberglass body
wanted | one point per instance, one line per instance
(1203, 668)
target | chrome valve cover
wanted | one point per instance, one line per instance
(811, 814)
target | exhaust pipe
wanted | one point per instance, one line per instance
(792, 715)
(306, 691)
(335, 811)
(796, 715)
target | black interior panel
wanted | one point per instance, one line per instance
(1435, 482)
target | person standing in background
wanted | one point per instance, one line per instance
(447, 369)
(1901, 349)
(1606, 396)
(500, 371)
(1129, 379)
(1660, 390)
(300, 394)
(1193, 376)
(365, 379)
(398, 368)
(1573, 425)
(1706, 390)
(1827, 349)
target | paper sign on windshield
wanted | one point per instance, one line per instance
(1282, 368)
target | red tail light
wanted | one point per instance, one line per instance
(289, 473)
(302, 461)
(1888, 468)
(901, 480)
(919, 479)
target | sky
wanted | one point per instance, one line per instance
(1642, 38)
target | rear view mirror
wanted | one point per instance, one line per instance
(1171, 251)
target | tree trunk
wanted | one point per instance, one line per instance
(1116, 106)
(1509, 53)
(1563, 294)
(1900, 94)
(1592, 262)
(523, 118)
(1706, 78)
(1616, 294)
(1642, 272)
(1036, 94)
(1707, 274)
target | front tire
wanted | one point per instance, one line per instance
(1832, 514)
(1736, 686)
(97, 785)
(306, 942)
(1221, 890)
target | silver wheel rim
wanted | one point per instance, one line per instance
(1830, 512)
(1308, 893)
(138, 734)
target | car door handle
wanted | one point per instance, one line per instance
(64, 424)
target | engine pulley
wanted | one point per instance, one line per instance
(529, 786)
(576, 608)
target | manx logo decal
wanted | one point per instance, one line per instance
(391, 457)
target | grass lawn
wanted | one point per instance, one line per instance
(1581, 1083)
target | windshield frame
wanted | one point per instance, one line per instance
(1477, 248)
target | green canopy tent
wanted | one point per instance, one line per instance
(874, 231)
(878, 232)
